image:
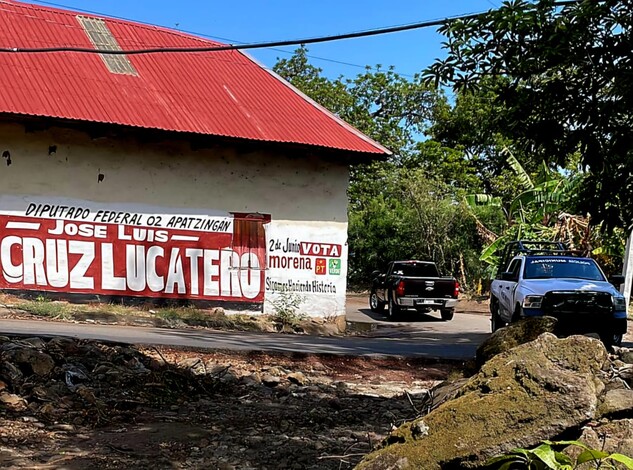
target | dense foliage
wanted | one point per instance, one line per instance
(561, 75)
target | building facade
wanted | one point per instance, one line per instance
(194, 177)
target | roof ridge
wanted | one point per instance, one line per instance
(122, 21)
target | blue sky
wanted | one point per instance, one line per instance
(249, 21)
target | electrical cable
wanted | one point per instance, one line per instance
(261, 45)
(231, 47)
(207, 36)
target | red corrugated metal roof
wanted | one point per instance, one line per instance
(212, 93)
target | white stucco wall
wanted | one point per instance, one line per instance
(305, 196)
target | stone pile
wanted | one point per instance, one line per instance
(85, 383)
(524, 392)
(67, 403)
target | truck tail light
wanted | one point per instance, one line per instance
(456, 291)
(400, 289)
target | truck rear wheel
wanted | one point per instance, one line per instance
(447, 314)
(375, 304)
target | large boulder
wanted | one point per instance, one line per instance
(511, 336)
(533, 392)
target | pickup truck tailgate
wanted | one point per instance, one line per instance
(429, 288)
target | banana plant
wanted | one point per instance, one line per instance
(532, 214)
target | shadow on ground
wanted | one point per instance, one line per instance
(132, 409)
(404, 316)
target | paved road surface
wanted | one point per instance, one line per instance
(429, 342)
(476, 324)
(414, 336)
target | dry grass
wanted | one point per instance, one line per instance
(128, 314)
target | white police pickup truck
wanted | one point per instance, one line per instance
(557, 282)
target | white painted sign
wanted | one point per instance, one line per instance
(308, 260)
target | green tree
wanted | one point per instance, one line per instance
(379, 102)
(475, 125)
(541, 211)
(450, 165)
(565, 83)
(410, 205)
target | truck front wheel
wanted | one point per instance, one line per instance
(518, 313)
(495, 319)
(611, 339)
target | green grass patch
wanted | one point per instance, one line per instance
(45, 308)
(198, 317)
(182, 313)
(114, 309)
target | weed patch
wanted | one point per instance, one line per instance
(45, 308)
(150, 315)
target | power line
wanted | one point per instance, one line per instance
(231, 47)
(261, 45)
(209, 36)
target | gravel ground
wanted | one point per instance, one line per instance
(69, 404)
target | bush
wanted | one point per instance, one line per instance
(546, 456)
(286, 307)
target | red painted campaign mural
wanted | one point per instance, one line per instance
(87, 248)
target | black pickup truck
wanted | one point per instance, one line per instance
(416, 285)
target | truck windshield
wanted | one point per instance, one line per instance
(415, 269)
(545, 268)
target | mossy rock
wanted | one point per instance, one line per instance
(535, 391)
(511, 336)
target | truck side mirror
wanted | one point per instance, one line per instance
(616, 280)
(507, 276)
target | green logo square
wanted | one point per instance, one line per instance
(335, 267)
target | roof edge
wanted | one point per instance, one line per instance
(321, 108)
(193, 138)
